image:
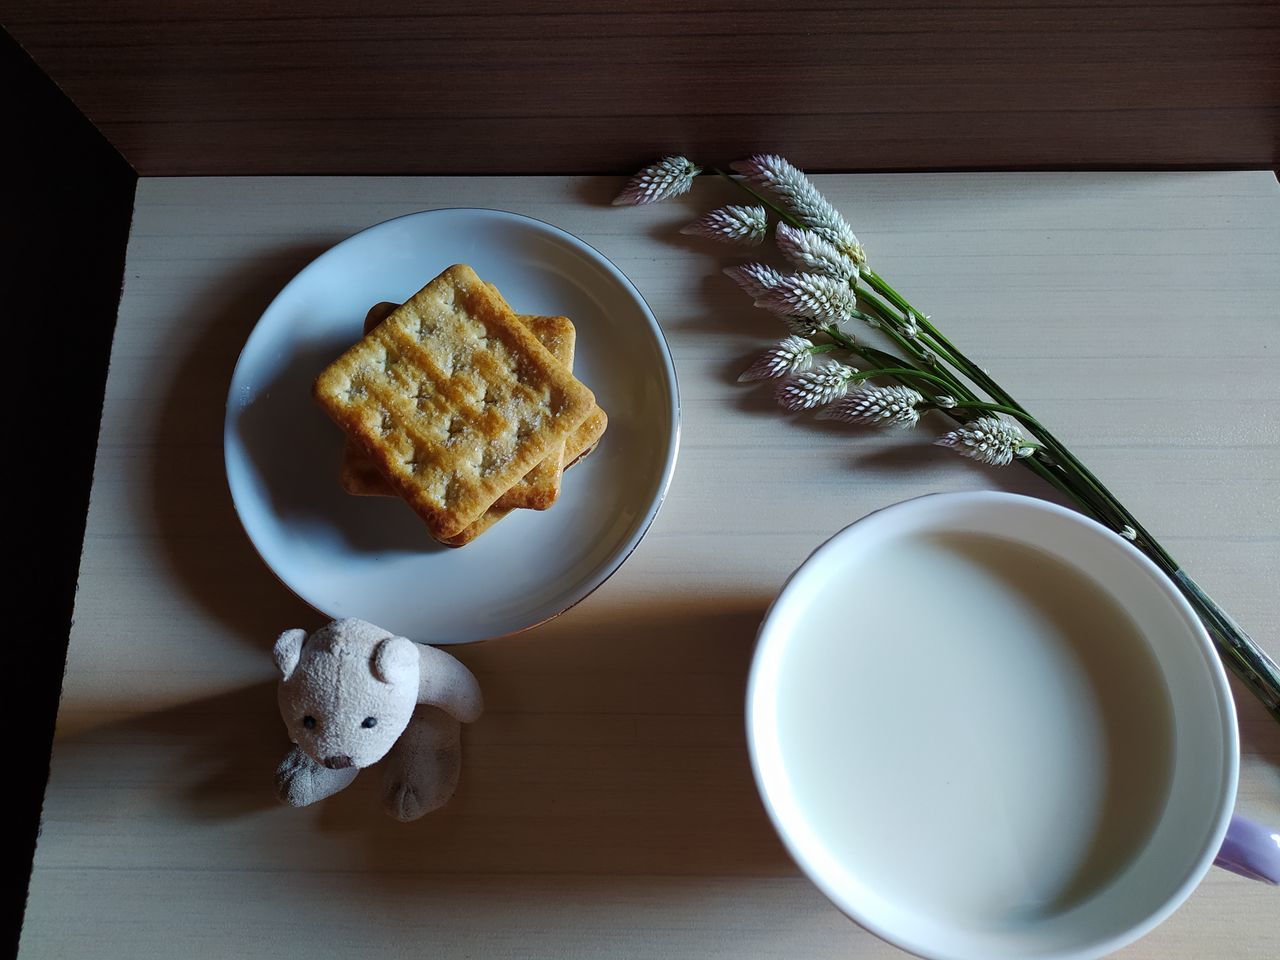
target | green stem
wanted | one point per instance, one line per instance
(1017, 412)
(1238, 650)
(955, 355)
(965, 400)
(944, 376)
(897, 369)
(899, 372)
(781, 213)
(880, 307)
(1235, 647)
(1118, 516)
(1068, 474)
(886, 314)
(892, 295)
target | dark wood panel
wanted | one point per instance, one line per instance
(389, 86)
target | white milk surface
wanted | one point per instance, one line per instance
(962, 728)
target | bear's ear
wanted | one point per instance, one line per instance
(288, 650)
(394, 659)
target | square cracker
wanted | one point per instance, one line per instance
(360, 476)
(454, 399)
(537, 490)
(582, 442)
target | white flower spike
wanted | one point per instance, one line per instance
(810, 251)
(893, 406)
(988, 440)
(815, 387)
(755, 278)
(824, 299)
(669, 177)
(792, 355)
(802, 198)
(733, 224)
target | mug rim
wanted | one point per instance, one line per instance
(847, 901)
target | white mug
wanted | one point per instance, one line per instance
(987, 727)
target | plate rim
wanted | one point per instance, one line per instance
(671, 383)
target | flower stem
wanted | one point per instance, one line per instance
(900, 372)
(782, 214)
(956, 357)
(953, 386)
(1237, 650)
(1065, 472)
(884, 312)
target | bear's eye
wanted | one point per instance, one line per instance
(308, 722)
(369, 722)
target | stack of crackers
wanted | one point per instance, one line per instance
(460, 407)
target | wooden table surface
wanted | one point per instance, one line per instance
(606, 807)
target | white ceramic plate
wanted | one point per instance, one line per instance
(371, 557)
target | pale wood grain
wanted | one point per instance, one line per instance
(607, 807)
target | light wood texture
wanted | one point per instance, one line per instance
(578, 86)
(606, 807)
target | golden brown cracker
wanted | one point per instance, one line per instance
(454, 399)
(537, 490)
(584, 440)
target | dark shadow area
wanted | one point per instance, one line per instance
(296, 452)
(1259, 736)
(195, 408)
(916, 451)
(66, 224)
(597, 191)
(225, 749)
(612, 744)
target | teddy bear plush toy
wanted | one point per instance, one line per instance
(350, 694)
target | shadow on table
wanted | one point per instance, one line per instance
(1259, 736)
(613, 743)
(294, 452)
(209, 759)
(192, 511)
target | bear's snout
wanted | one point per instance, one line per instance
(339, 761)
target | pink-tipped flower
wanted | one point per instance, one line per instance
(810, 251)
(669, 177)
(824, 299)
(733, 224)
(988, 440)
(789, 356)
(801, 197)
(892, 406)
(815, 387)
(755, 278)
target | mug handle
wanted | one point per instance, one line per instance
(1251, 850)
